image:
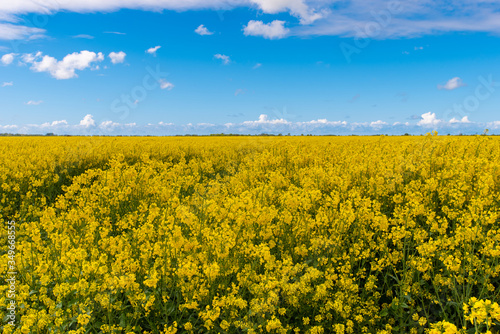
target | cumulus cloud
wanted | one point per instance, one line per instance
(203, 31)
(225, 59)
(31, 57)
(429, 119)
(117, 57)
(10, 83)
(273, 30)
(264, 119)
(108, 124)
(297, 8)
(493, 125)
(8, 58)
(166, 85)
(54, 124)
(452, 84)
(87, 121)
(378, 124)
(9, 127)
(324, 121)
(65, 68)
(464, 120)
(263, 124)
(152, 51)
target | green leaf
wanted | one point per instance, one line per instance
(395, 278)
(123, 320)
(384, 312)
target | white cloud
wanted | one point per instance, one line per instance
(378, 124)
(375, 18)
(203, 31)
(273, 30)
(33, 103)
(381, 19)
(54, 124)
(464, 120)
(257, 66)
(8, 58)
(205, 125)
(323, 121)
(10, 31)
(84, 36)
(108, 124)
(493, 125)
(117, 57)
(152, 51)
(297, 8)
(429, 119)
(281, 125)
(452, 84)
(263, 124)
(87, 121)
(10, 83)
(30, 57)
(64, 69)
(225, 59)
(9, 127)
(264, 119)
(115, 33)
(166, 85)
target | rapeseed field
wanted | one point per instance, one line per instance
(250, 234)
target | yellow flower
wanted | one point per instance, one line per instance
(83, 319)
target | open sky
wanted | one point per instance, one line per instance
(167, 67)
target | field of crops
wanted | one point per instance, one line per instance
(250, 234)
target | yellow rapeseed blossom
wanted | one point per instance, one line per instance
(250, 234)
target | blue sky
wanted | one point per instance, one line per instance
(277, 66)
